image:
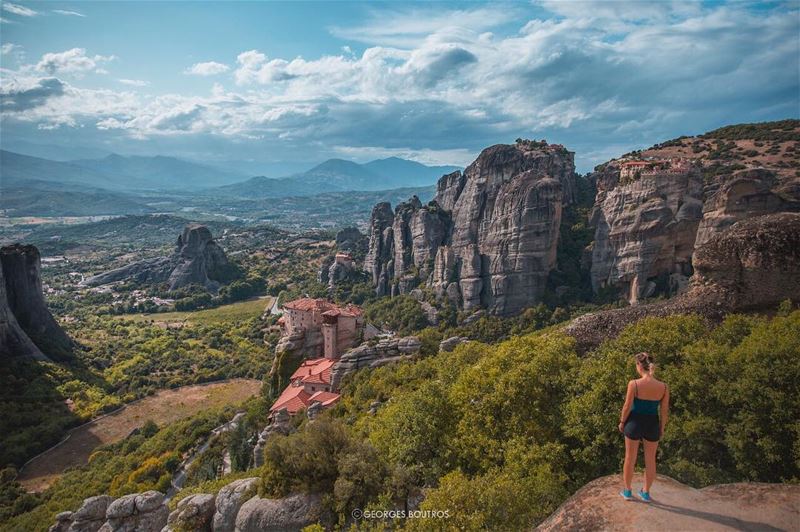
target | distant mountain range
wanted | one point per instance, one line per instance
(118, 173)
(115, 184)
(114, 172)
(339, 175)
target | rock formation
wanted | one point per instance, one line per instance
(142, 512)
(754, 264)
(386, 351)
(195, 512)
(740, 506)
(645, 225)
(489, 237)
(651, 213)
(197, 260)
(278, 515)
(27, 329)
(235, 508)
(229, 500)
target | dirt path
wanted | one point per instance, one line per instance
(675, 506)
(166, 406)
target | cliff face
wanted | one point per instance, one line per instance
(645, 226)
(652, 212)
(489, 237)
(27, 328)
(197, 259)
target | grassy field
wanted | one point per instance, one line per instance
(234, 312)
(164, 407)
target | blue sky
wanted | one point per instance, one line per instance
(296, 83)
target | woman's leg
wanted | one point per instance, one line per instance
(631, 452)
(650, 448)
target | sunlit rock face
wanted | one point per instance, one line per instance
(645, 226)
(489, 237)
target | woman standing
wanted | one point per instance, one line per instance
(644, 416)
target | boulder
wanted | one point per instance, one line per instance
(279, 515)
(63, 522)
(91, 515)
(195, 512)
(228, 502)
(140, 512)
(449, 344)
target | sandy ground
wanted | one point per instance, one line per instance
(164, 407)
(675, 506)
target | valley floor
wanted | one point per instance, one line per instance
(164, 407)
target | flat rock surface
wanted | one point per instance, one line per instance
(676, 506)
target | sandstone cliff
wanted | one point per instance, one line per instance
(197, 260)
(27, 328)
(489, 237)
(654, 208)
(755, 264)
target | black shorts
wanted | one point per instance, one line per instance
(642, 426)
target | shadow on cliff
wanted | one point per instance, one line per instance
(724, 520)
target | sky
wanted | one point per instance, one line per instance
(272, 85)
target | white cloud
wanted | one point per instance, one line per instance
(8, 48)
(68, 13)
(595, 75)
(74, 61)
(19, 10)
(209, 68)
(134, 82)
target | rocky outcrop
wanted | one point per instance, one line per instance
(744, 194)
(201, 260)
(489, 237)
(197, 260)
(280, 425)
(279, 515)
(645, 226)
(386, 351)
(235, 508)
(27, 329)
(449, 344)
(352, 240)
(753, 264)
(741, 506)
(90, 517)
(229, 500)
(195, 512)
(650, 215)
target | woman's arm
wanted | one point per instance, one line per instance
(626, 408)
(664, 409)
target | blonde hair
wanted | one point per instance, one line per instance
(647, 362)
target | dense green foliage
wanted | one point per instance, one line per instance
(401, 314)
(502, 434)
(781, 130)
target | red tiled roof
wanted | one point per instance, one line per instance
(308, 303)
(315, 371)
(326, 398)
(322, 305)
(293, 399)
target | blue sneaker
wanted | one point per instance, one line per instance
(626, 494)
(645, 496)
